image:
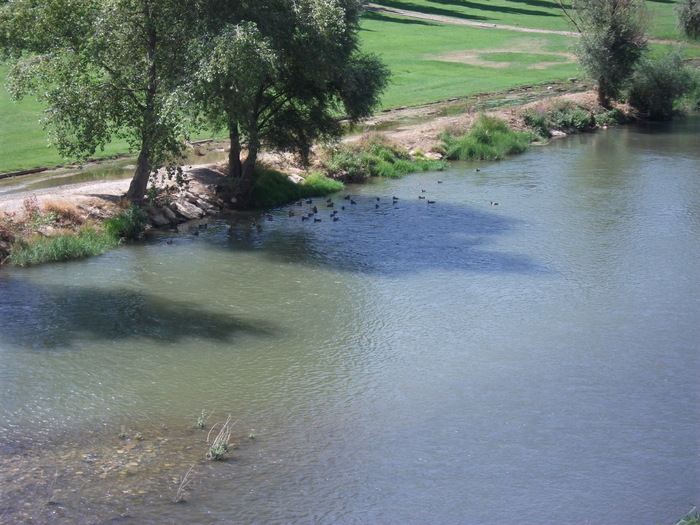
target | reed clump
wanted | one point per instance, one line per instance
(220, 445)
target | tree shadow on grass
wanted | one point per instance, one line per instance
(486, 6)
(407, 6)
(383, 17)
(481, 8)
(53, 316)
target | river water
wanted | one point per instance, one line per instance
(532, 362)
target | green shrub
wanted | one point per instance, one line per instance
(659, 83)
(127, 224)
(538, 121)
(688, 12)
(611, 118)
(375, 157)
(564, 116)
(489, 139)
(273, 188)
(84, 243)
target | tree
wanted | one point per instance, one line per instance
(688, 12)
(282, 74)
(612, 41)
(658, 83)
(105, 69)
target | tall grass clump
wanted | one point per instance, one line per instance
(128, 224)
(86, 242)
(489, 139)
(658, 84)
(374, 156)
(273, 188)
(568, 117)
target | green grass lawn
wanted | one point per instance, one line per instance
(432, 61)
(23, 142)
(429, 61)
(540, 14)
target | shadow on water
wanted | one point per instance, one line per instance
(385, 237)
(47, 317)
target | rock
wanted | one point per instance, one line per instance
(170, 215)
(155, 216)
(187, 210)
(295, 178)
(433, 155)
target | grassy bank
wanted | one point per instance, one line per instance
(60, 231)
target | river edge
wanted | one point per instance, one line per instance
(415, 129)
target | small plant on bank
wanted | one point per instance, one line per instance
(128, 224)
(489, 139)
(202, 419)
(613, 117)
(568, 117)
(219, 446)
(374, 156)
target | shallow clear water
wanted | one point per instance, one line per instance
(456, 362)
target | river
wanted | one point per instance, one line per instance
(456, 361)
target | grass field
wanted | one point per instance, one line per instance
(23, 142)
(429, 60)
(540, 14)
(432, 61)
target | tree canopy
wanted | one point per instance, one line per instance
(274, 73)
(613, 39)
(281, 74)
(105, 69)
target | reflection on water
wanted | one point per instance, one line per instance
(454, 362)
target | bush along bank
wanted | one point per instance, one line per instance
(373, 155)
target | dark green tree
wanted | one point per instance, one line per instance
(613, 39)
(658, 83)
(105, 69)
(281, 75)
(688, 12)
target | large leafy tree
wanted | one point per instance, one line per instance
(105, 69)
(281, 74)
(613, 39)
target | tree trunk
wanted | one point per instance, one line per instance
(137, 188)
(235, 169)
(139, 184)
(244, 184)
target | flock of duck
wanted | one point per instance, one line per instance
(308, 209)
